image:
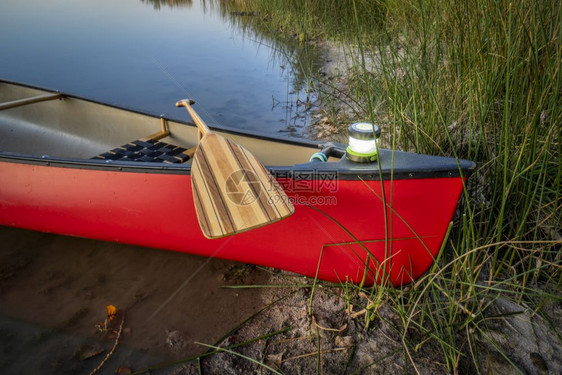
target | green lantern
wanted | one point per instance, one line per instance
(363, 142)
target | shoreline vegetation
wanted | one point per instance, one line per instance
(478, 80)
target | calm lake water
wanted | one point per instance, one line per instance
(134, 54)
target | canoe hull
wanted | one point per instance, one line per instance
(338, 227)
(362, 222)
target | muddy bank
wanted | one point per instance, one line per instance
(54, 291)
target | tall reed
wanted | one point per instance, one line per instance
(475, 79)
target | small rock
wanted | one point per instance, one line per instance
(276, 359)
(344, 342)
(176, 340)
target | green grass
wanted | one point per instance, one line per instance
(471, 79)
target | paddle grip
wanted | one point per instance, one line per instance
(203, 128)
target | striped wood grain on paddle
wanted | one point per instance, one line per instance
(233, 192)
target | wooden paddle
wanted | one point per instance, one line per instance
(232, 191)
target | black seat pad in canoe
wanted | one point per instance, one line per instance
(149, 151)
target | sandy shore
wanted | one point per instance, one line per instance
(54, 291)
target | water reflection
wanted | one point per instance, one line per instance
(300, 62)
(129, 54)
(303, 62)
(169, 3)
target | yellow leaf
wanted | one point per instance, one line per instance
(112, 312)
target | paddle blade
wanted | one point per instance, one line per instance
(232, 191)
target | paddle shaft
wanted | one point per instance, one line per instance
(203, 128)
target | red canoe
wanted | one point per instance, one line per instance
(76, 167)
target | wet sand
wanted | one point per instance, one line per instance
(55, 289)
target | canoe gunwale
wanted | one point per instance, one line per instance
(340, 170)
